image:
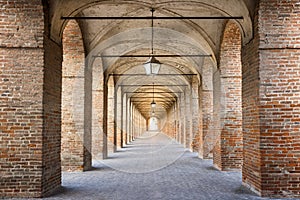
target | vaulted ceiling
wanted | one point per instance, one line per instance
(172, 37)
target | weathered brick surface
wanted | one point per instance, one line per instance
(182, 107)
(169, 127)
(271, 101)
(188, 119)
(111, 136)
(251, 123)
(206, 97)
(21, 119)
(22, 23)
(124, 120)
(97, 110)
(196, 122)
(216, 116)
(51, 177)
(118, 119)
(29, 105)
(229, 98)
(72, 99)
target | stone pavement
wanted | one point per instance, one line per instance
(153, 167)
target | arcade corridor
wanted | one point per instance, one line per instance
(84, 85)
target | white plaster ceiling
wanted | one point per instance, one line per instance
(129, 37)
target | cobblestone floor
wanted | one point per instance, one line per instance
(153, 168)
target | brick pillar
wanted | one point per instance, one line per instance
(88, 101)
(179, 124)
(97, 110)
(30, 99)
(195, 115)
(123, 118)
(129, 121)
(271, 86)
(128, 107)
(182, 121)
(206, 148)
(188, 119)
(51, 166)
(117, 115)
(170, 125)
(105, 121)
(229, 147)
(111, 136)
(207, 135)
(72, 147)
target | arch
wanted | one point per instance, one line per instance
(153, 124)
(72, 8)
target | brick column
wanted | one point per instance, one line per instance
(182, 121)
(105, 121)
(229, 147)
(179, 124)
(72, 147)
(271, 85)
(188, 119)
(123, 120)
(97, 110)
(128, 108)
(207, 138)
(117, 114)
(207, 135)
(30, 99)
(196, 125)
(111, 134)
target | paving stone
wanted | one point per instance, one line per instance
(153, 168)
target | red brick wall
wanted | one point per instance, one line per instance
(118, 121)
(182, 119)
(97, 110)
(169, 127)
(229, 98)
(124, 120)
(218, 109)
(21, 119)
(188, 119)
(271, 101)
(111, 136)
(29, 105)
(251, 124)
(51, 178)
(207, 135)
(195, 109)
(279, 97)
(72, 99)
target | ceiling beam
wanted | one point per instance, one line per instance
(147, 56)
(153, 85)
(152, 92)
(152, 97)
(150, 18)
(158, 101)
(154, 75)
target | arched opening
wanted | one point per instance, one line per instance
(153, 124)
